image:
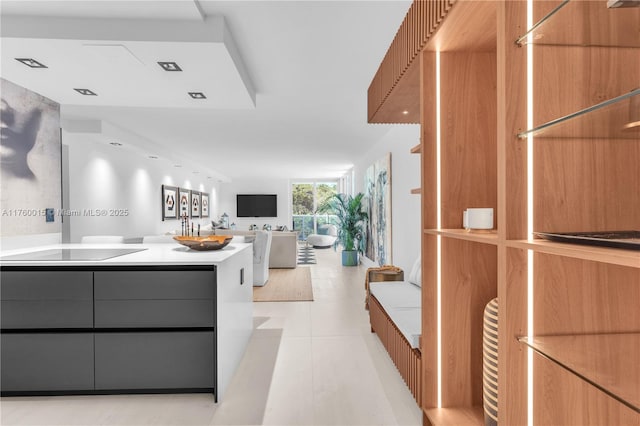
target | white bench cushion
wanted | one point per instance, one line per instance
(396, 294)
(402, 301)
(409, 322)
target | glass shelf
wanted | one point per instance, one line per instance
(607, 361)
(598, 26)
(617, 118)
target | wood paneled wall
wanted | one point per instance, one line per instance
(421, 21)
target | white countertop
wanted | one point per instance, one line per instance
(153, 254)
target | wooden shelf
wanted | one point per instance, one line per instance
(416, 149)
(591, 357)
(485, 237)
(417, 191)
(456, 416)
(613, 256)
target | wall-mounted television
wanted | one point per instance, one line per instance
(257, 205)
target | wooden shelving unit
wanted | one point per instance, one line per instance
(416, 191)
(582, 175)
(578, 164)
(416, 149)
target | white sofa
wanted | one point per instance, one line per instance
(395, 314)
(284, 246)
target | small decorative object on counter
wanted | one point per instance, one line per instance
(225, 220)
(233, 226)
(211, 242)
(266, 227)
(253, 227)
(185, 224)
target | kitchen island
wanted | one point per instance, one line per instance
(123, 318)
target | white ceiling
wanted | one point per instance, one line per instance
(307, 64)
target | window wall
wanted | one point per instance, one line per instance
(305, 199)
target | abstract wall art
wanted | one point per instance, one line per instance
(185, 202)
(204, 208)
(377, 189)
(169, 202)
(195, 204)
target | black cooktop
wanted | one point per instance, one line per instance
(71, 254)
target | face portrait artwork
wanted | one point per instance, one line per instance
(30, 160)
(19, 132)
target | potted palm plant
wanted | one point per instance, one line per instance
(351, 218)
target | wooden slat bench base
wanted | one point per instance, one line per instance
(406, 359)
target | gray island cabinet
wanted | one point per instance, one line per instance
(160, 319)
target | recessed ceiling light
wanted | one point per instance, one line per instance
(405, 112)
(31, 63)
(177, 165)
(197, 95)
(153, 157)
(209, 177)
(170, 66)
(86, 92)
(195, 173)
(115, 143)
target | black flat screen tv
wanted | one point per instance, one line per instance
(257, 205)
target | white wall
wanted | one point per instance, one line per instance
(102, 176)
(281, 187)
(405, 175)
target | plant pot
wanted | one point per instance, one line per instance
(349, 258)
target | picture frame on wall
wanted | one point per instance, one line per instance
(184, 203)
(169, 202)
(204, 205)
(195, 204)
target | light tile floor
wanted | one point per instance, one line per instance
(308, 363)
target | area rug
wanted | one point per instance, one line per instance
(306, 256)
(286, 285)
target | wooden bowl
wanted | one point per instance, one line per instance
(210, 242)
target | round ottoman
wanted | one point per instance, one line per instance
(321, 241)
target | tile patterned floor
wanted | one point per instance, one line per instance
(308, 363)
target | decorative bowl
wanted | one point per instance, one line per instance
(210, 242)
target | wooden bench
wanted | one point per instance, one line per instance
(395, 316)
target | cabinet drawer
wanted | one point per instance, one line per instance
(154, 313)
(46, 299)
(154, 360)
(114, 285)
(46, 362)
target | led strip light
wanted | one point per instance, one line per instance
(530, 277)
(438, 238)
